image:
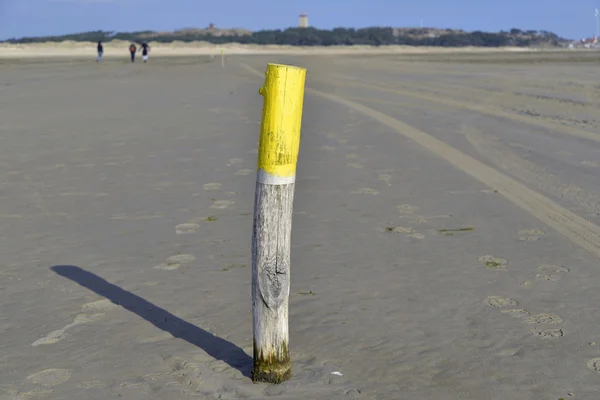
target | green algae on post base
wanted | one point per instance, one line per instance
(272, 369)
(275, 376)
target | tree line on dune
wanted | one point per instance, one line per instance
(376, 36)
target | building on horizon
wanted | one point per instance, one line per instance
(303, 20)
(586, 43)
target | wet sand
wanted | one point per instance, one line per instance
(445, 238)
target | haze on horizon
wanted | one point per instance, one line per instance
(19, 18)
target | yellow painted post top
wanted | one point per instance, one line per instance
(279, 143)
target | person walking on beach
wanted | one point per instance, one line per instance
(132, 50)
(100, 51)
(145, 50)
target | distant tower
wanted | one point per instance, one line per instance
(303, 21)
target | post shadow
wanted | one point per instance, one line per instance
(214, 346)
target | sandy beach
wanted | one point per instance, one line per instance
(118, 48)
(445, 242)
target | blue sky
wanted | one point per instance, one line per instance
(573, 19)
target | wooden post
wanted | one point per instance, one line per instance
(278, 147)
(222, 58)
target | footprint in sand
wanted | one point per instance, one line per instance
(508, 352)
(367, 191)
(351, 156)
(549, 319)
(594, 364)
(185, 372)
(500, 302)
(49, 377)
(545, 319)
(414, 219)
(97, 307)
(551, 272)
(407, 231)
(355, 165)
(590, 163)
(407, 209)
(176, 262)
(222, 204)
(399, 229)
(212, 186)
(530, 234)
(548, 333)
(243, 172)
(53, 337)
(184, 229)
(492, 262)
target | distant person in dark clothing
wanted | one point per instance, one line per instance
(100, 51)
(132, 50)
(145, 50)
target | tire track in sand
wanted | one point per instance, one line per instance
(533, 175)
(521, 88)
(580, 231)
(478, 108)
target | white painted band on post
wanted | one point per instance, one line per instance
(269, 179)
